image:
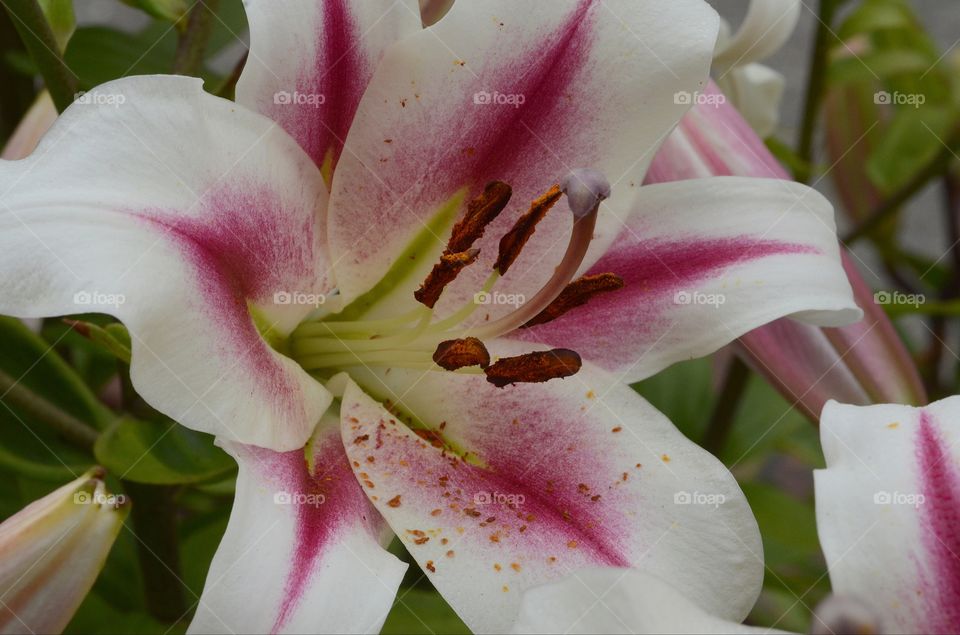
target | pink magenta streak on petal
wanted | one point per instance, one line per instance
(652, 271)
(541, 508)
(544, 76)
(343, 508)
(940, 529)
(244, 248)
(338, 74)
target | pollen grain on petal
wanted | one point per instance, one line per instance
(454, 354)
(442, 274)
(534, 367)
(481, 211)
(514, 240)
(577, 293)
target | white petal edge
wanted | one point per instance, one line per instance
(617, 601)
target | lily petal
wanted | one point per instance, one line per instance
(303, 549)
(310, 62)
(180, 214)
(703, 262)
(519, 92)
(767, 27)
(500, 490)
(887, 511)
(52, 551)
(756, 91)
(617, 601)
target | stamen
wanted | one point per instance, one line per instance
(577, 293)
(480, 212)
(584, 186)
(513, 241)
(442, 274)
(455, 354)
(534, 367)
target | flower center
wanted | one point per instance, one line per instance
(417, 340)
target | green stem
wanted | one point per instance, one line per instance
(935, 168)
(816, 83)
(188, 59)
(38, 38)
(16, 394)
(721, 420)
(154, 518)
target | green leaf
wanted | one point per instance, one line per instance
(29, 447)
(417, 611)
(62, 21)
(160, 453)
(169, 10)
(684, 394)
(913, 139)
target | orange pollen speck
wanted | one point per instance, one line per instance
(430, 567)
(572, 544)
(496, 567)
(395, 501)
(515, 566)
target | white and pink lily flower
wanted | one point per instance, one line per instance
(52, 551)
(754, 89)
(293, 282)
(887, 511)
(887, 517)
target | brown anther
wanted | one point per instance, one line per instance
(513, 241)
(577, 293)
(481, 211)
(534, 367)
(442, 274)
(454, 354)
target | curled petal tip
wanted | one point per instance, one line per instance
(585, 188)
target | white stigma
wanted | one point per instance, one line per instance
(585, 188)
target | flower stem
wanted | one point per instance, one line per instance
(32, 26)
(154, 518)
(721, 420)
(816, 83)
(14, 393)
(935, 168)
(194, 39)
